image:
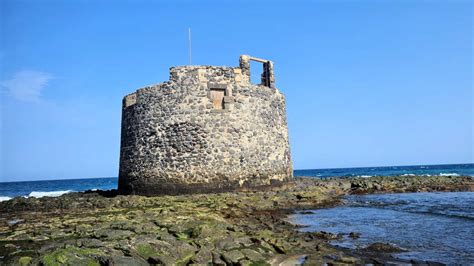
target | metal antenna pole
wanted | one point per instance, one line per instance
(190, 48)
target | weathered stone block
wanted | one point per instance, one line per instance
(228, 99)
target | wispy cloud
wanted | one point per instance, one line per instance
(26, 85)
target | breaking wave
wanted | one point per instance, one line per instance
(40, 194)
(448, 174)
(4, 198)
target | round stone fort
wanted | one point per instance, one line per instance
(207, 129)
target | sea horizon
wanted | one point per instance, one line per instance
(57, 187)
(294, 170)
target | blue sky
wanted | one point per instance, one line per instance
(368, 83)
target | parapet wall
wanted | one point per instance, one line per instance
(206, 129)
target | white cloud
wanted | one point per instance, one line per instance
(26, 85)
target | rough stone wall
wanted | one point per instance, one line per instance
(175, 139)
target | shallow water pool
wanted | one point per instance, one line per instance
(431, 226)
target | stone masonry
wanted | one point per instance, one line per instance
(207, 129)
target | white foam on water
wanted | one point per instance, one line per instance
(364, 176)
(408, 175)
(40, 194)
(448, 174)
(2, 198)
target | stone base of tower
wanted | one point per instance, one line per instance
(168, 188)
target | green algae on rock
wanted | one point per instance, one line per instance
(246, 228)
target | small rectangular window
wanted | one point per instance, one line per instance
(217, 98)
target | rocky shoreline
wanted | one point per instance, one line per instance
(235, 228)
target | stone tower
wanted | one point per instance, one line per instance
(207, 129)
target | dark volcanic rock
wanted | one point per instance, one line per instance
(384, 247)
(354, 235)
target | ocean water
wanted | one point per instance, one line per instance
(54, 188)
(445, 169)
(58, 187)
(429, 226)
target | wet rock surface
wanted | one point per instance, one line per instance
(238, 228)
(384, 247)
